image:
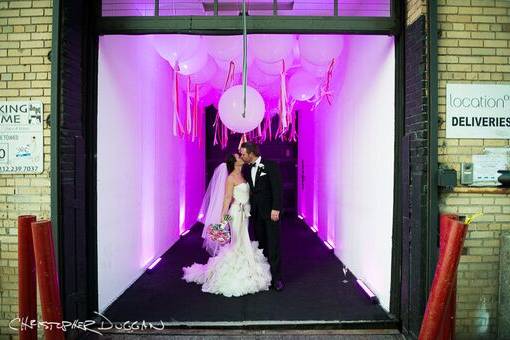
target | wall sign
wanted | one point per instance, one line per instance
(21, 137)
(478, 111)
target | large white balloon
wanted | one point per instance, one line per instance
(276, 67)
(176, 47)
(231, 109)
(256, 76)
(320, 49)
(206, 73)
(316, 70)
(238, 63)
(220, 78)
(270, 91)
(271, 48)
(193, 64)
(302, 85)
(224, 47)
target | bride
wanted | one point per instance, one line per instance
(239, 267)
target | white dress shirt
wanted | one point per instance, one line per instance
(254, 170)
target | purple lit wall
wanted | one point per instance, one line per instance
(346, 155)
(150, 183)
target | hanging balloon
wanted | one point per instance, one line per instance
(219, 79)
(193, 64)
(256, 76)
(302, 85)
(271, 48)
(270, 91)
(231, 109)
(276, 67)
(206, 73)
(316, 70)
(175, 47)
(238, 63)
(224, 47)
(320, 49)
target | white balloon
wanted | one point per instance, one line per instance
(271, 48)
(302, 85)
(193, 64)
(224, 47)
(276, 67)
(320, 49)
(231, 106)
(206, 73)
(219, 79)
(256, 76)
(238, 63)
(316, 70)
(174, 47)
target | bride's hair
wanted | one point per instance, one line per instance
(230, 161)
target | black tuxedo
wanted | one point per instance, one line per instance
(266, 195)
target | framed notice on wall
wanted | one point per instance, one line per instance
(478, 111)
(21, 137)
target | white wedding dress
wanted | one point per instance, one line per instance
(240, 267)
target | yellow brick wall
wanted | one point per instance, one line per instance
(474, 48)
(25, 40)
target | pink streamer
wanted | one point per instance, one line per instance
(177, 125)
(189, 120)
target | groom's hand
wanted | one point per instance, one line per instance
(275, 215)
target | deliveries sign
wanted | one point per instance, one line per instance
(478, 111)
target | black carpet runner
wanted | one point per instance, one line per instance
(313, 288)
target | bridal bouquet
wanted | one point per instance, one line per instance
(220, 232)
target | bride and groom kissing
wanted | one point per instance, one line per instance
(246, 187)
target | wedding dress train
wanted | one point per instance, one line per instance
(240, 267)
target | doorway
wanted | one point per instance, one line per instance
(340, 171)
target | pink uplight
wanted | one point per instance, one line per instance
(185, 232)
(154, 263)
(328, 245)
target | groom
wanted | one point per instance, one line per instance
(266, 202)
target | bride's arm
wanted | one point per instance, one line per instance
(228, 196)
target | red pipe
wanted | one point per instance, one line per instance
(47, 279)
(27, 287)
(443, 282)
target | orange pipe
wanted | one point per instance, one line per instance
(27, 287)
(47, 279)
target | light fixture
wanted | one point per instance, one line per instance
(300, 217)
(185, 232)
(367, 291)
(314, 229)
(229, 6)
(154, 263)
(200, 215)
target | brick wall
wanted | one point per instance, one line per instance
(474, 48)
(25, 40)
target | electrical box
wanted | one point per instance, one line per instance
(447, 178)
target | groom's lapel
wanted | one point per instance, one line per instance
(257, 174)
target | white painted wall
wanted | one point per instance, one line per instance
(150, 183)
(348, 154)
